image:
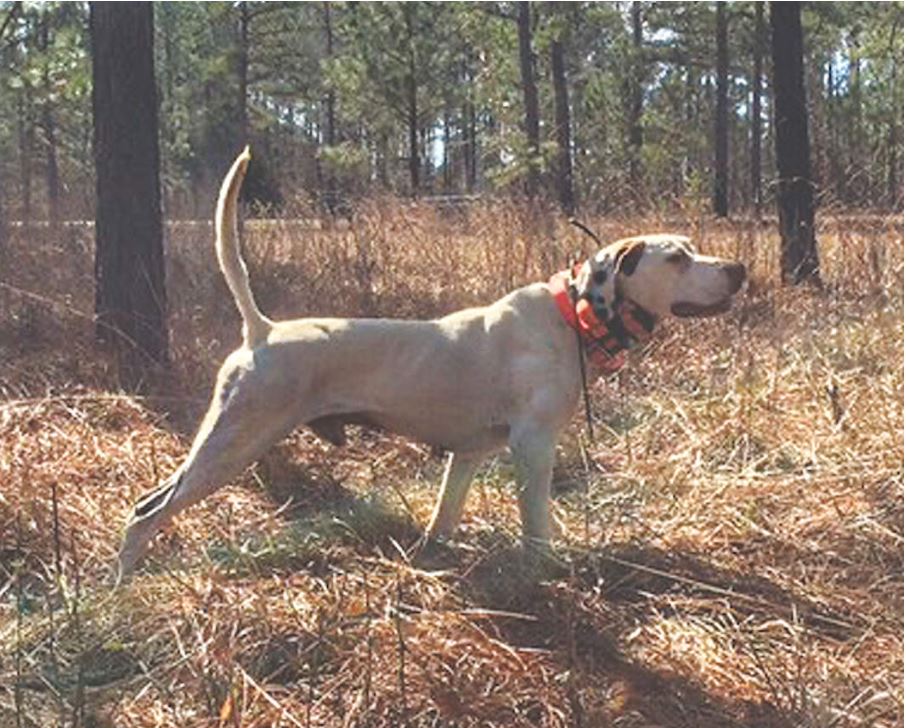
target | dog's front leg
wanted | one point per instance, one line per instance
(453, 490)
(533, 448)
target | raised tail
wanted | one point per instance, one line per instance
(256, 325)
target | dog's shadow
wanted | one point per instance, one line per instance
(581, 612)
(322, 520)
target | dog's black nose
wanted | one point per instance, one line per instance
(737, 274)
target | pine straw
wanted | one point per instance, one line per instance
(732, 542)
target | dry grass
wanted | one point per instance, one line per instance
(733, 542)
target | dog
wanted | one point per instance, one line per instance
(472, 382)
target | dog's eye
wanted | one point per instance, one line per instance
(599, 277)
(679, 257)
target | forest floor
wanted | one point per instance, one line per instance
(732, 541)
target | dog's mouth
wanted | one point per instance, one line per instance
(687, 309)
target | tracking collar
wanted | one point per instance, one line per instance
(604, 342)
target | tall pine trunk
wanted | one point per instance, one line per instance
(130, 299)
(757, 74)
(412, 104)
(48, 124)
(25, 132)
(469, 130)
(894, 149)
(721, 122)
(635, 105)
(330, 107)
(242, 71)
(530, 97)
(798, 249)
(564, 168)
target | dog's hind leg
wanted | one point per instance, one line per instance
(458, 476)
(243, 421)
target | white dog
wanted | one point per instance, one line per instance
(471, 382)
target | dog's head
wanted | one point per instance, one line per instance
(660, 273)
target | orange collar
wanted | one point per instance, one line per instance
(605, 342)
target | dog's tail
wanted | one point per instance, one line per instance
(256, 325)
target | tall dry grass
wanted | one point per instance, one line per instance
(732, 541)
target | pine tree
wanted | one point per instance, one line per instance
(130, 299)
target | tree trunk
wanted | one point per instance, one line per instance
(426, 143)
(243, 72)
(854, 174)
(562, 119)
(469, 131)
(381, 152)
(894, 165)
(721, 136)
(836, 176)
(330, 101)
(48, 124)
(52, 169)
(798, 249)
(4, 195)
(635, 104)
(757, 74)
(894, 134)
(690, 151)
(26, 145)
(530, 97)
(330, 104)
(130, 299)
(447, 162)
(412, 105)
(412, 123)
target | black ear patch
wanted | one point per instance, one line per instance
(628, 259)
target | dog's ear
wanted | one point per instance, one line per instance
(629, 256)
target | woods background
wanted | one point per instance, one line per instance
(607, 104)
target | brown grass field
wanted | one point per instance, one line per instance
(732, 540)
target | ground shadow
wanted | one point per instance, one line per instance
(633, 579)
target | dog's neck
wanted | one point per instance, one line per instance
(604, 341)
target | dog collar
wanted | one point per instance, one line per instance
(605, 342)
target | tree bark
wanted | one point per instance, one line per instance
(721, 123)
(530, 97)
(48, 124)
(447, 162)
(635, 104)
(52, 169)
(832, 132)
(243, 72)
(330, 104)
(690, 112)
(564, 166)
(798, 249)
(4, 195)
(894, 134)
(469, 130)
(757, 75)
(412, 105)
(26, 145)
(854, 174)
(130, 297)
(894, 165)
(330, 101)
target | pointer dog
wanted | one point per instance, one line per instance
(472, 382)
